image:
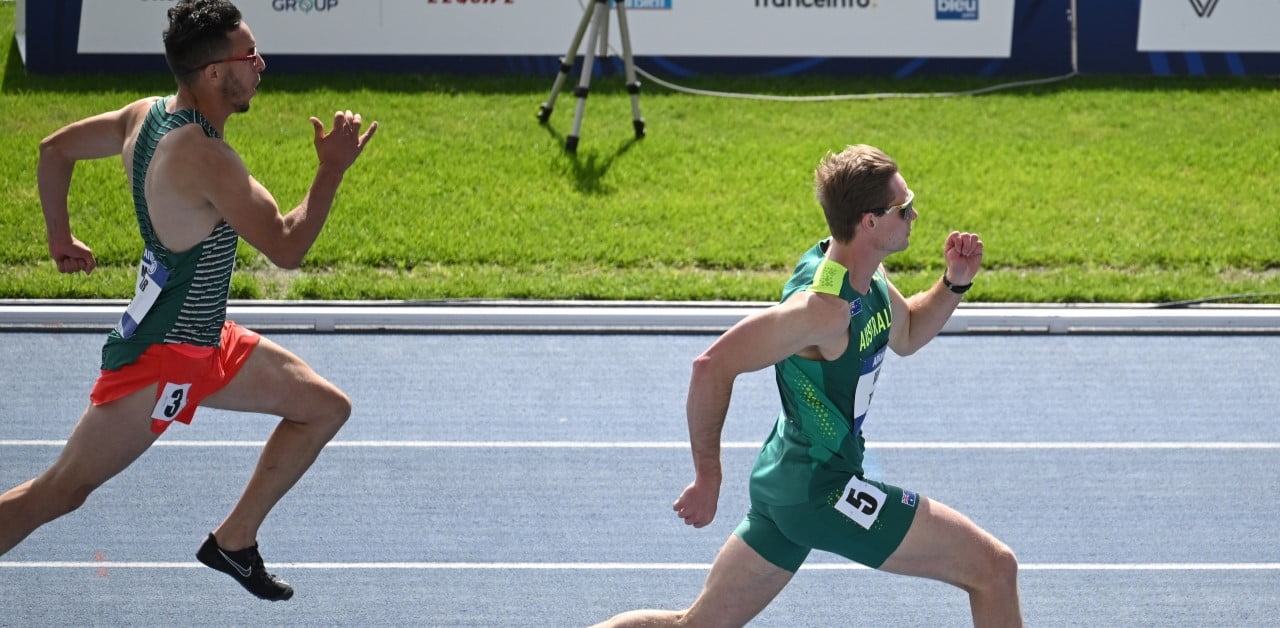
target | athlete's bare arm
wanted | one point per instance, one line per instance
(918, 320)
(811, 324)
(220, 179)
(103, 135)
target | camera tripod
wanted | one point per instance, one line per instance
(596, 15)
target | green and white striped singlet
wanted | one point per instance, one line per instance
(179, 297)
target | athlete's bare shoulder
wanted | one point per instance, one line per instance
(188, 152)
(143, 104)
(133, 114)
(825, 313)
(131, 117)
(826, 319)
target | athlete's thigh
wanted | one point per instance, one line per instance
(274, 381)
(741, 583)
(942, 544)
(865, 521)
(106, 440)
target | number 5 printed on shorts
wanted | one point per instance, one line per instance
(861, 502)
(170, 404)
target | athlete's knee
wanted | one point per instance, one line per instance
(675, 619)
(691, 619)
(999, 569)
(57, 496)
(319, 403)
(77, 497)
(1006, 564)
(332, 408)
(340, 407)
(646, 619)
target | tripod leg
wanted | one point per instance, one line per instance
(633, 85)
(566, 65)
(602, 50)
(584, 81)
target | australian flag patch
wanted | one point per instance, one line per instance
(908, 498)
(855, 307)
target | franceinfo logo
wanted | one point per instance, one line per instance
(958, 9)
(303, 6)
(816, 4)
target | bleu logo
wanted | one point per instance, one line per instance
(957, 9)
(649, 4)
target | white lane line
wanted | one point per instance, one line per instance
(464, 444)
(475, 566)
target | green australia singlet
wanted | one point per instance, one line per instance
(817, 444)
(179, 297)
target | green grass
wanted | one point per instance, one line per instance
(1098, 189)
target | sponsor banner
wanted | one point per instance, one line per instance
(768, 28)
(1209, 26)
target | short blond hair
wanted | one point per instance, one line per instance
(850, 183)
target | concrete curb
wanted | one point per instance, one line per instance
(468, 316)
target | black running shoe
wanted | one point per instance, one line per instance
(246, 567)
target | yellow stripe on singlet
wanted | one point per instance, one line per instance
(829, 277)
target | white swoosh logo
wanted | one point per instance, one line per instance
(243, 572)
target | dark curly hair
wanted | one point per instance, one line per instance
(197, 34)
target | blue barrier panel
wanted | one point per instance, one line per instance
(1109, 37)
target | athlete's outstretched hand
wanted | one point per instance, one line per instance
(697, 504)
(344, 143)
(72, 256)
(963, 254)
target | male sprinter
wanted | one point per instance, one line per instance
(826, 340)
(174, 349)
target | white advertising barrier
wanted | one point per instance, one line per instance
(642, 317)
(1209, 26)
(778, 28)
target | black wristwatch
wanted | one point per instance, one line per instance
(953, 287)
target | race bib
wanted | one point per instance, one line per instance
(866, 386)
(861, 501)
(172, 400)
(151, 279)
